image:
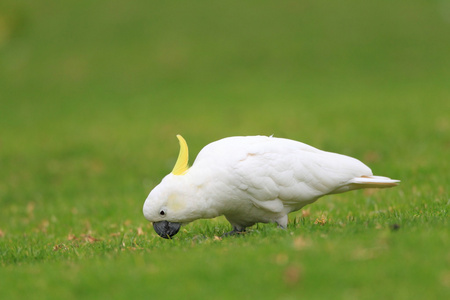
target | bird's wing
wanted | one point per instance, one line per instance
(278, 173)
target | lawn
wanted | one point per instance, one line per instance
(93, 93)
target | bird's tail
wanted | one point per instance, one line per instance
(374, 182)
(365, 182)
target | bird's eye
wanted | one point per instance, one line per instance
(162, 212)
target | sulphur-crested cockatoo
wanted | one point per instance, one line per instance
(250, 180)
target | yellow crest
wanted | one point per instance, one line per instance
(181, 166)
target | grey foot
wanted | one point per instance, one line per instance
(234, 232)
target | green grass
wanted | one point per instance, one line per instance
(92, 95)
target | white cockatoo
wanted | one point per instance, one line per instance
(250, 180)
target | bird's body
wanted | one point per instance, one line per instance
(255, 179)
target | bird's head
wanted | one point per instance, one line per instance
(168, 205)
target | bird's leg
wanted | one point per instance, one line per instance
(282, 222)
(282, 227)
(236, 230)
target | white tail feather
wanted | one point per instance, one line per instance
(365, 182)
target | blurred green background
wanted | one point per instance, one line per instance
(92, 94)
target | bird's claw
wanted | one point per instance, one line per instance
(235, 231)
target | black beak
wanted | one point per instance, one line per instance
(166, 229)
